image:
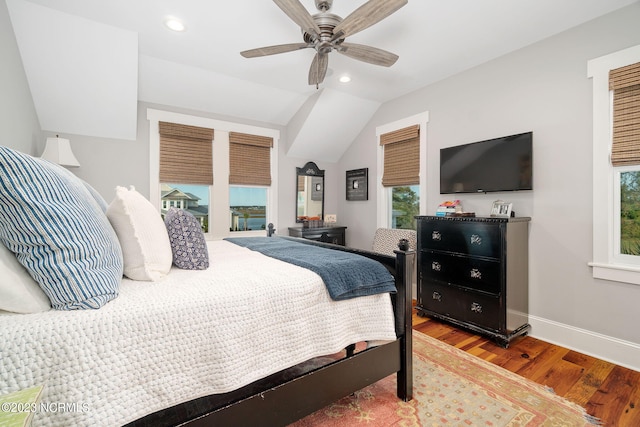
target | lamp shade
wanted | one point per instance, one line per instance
(58, 150)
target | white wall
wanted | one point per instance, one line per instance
(18, 119)
(542, 88)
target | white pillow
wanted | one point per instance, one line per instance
(19, 293)
(143, 236)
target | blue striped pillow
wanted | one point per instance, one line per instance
(58, 232)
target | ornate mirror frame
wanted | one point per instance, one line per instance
(309, 193)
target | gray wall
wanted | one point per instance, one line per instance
(542, 88)
(18, 119)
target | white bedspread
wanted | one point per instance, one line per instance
(192, 334)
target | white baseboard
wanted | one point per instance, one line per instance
(614, 350)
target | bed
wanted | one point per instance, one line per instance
(250, 340)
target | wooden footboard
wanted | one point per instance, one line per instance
(274, 401)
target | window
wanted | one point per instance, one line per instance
(193, 198)
(248, 207)
(228, 202)
(249, 167)
(616, 165)
(402, 172)
(627, 204)
(186, 170)
(405, 205)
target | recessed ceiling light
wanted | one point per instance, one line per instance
(174, 24)
(345, 79)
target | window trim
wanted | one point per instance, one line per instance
(604, 264)
(219, 191)
(384, 193)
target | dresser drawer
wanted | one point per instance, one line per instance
(335, 235)
(467, 306)
(474, 273)
(337, 238)
(473, 238)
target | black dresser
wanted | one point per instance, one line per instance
(331, 234)
(473, 272)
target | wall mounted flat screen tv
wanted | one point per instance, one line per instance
(500, 164)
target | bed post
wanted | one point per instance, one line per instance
(405, 261)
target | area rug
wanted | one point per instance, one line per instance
(452, 388)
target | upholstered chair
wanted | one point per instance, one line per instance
(385, 241)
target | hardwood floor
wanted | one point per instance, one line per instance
(607, 391)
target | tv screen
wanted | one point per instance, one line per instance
(500, 164)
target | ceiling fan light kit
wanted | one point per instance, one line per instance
(326, 32)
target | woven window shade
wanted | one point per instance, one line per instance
(185, 154)
(249, 159)
(625, 84)
(401, 157)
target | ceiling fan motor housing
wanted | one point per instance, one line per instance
(327, 22)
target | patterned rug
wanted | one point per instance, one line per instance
(452, 388)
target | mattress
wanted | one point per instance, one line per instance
(192, 334)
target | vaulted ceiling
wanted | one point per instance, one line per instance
(88, 62)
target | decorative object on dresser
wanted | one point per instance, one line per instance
(322, 233)
(473, 272)
(357, 184)
(501, 208)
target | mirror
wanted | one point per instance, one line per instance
(310, 193)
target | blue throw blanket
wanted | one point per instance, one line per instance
(345, 274)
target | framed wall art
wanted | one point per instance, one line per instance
(358, 184)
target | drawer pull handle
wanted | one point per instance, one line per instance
(476, 274)
(435, 235)
(435, 266)
(436, 296)
(476, 308)
(476, 240)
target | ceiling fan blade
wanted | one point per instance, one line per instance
(365, 16)
(369, 54)
(272, 50)
(301, 16)
(318, 69)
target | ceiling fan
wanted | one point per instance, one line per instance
(325, 32)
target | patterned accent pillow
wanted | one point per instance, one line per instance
(142, 235)
(58, 232)
(188, 244)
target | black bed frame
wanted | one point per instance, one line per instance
(285, 397)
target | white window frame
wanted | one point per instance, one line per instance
(219, 191)
(607, 263)
(384, 193)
